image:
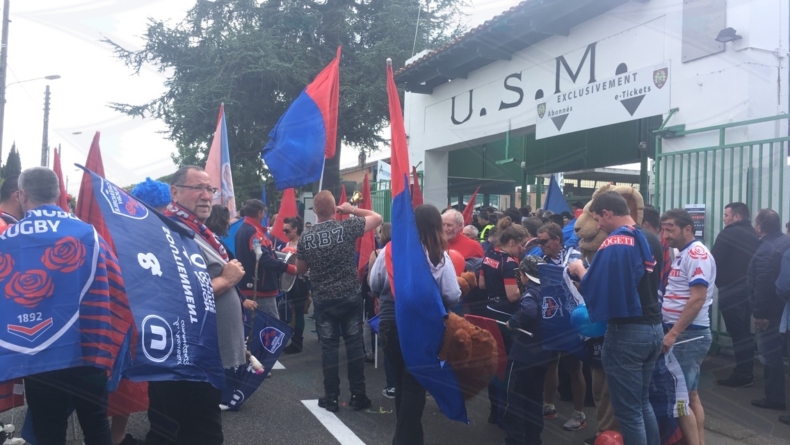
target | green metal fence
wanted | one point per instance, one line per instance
(381, 195)
(752, 172)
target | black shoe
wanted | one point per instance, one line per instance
(130, 440)
(763, 403)
(329, 403)
(737, 381)
(369, 360)
(590, 440)
(294, 348)
(359, 401)
(785, 419)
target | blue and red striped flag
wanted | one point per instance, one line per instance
(306, 134)
(218, 166)
(419, 310)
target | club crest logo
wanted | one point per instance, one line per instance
(660, 77)
(272, 339)
(698, 253)
(550, 307)
(121, 203)
(541, 109)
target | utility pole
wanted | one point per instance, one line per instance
(45, 142)
(3, 64)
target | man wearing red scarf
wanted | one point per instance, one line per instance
(185, 412)
(264, 293)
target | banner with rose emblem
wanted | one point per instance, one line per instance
(64, 303)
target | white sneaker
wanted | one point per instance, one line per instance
(223, 407)
(577, 421)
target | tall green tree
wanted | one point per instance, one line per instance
(13, 166)
(257, 56)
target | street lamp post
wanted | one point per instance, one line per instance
(3, 88)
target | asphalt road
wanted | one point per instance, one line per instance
(277, 413)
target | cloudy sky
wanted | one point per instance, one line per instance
(62, 37)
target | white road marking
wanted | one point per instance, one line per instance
(278, 365)
(342, 433)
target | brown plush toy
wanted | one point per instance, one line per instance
(471, 352)
(590, 237)
(467, 282)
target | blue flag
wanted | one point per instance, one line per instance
(269, 338)
(170, 293)
(63, 304)
(557, 305)
(555, 201)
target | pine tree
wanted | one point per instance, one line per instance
(13, 166)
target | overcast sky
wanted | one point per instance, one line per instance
(62, 37)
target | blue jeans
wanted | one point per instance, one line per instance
(691, 354)
(331, 318)
(769, 344)
(629, 354)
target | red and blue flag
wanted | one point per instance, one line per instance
(218, 165)
(306, 134)
(419, 311)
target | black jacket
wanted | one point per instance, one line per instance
(526, 349)
(762, 274)
(269, 267)
(733, 250)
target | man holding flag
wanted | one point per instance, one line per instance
(66, 312)
(187, 412)
(328, 252)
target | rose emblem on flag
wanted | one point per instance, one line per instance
(29, 288)
(66, 255)
(6, 266)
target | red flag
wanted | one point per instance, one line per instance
(470, 207)
(325, 91)
(367, 243)
(416, 192)
(399, 148)
(63, 201)
(87, 207)
(287, 210)
(342, 199)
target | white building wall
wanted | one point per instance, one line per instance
(748, 80)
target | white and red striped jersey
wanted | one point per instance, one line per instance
(692, 266)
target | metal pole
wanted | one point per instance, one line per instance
(3, 64)
(45, 141)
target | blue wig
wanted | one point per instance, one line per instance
(154, 193)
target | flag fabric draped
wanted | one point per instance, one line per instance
(65, 304)
(367, 242)
(416, 194)
(218, 165)
(87, 206)
(63, 200)
(470, 208)
(269, 338)
(177, 329)
(307, 133)
(557, 305)
(287, 210)
(555, 201)
(343, 198)
(418, 304)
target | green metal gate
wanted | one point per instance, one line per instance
(752, 172)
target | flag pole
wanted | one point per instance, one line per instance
(321, 181)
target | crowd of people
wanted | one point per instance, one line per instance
(651, 285)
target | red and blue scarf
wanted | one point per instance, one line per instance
(179, 213)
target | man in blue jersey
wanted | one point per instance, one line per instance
(66, 314)
(621, 287)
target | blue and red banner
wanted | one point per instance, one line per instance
(269, 338)
(419, 311)
(307, 133)
(171, 297)
(557, 305)
(65, 304)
